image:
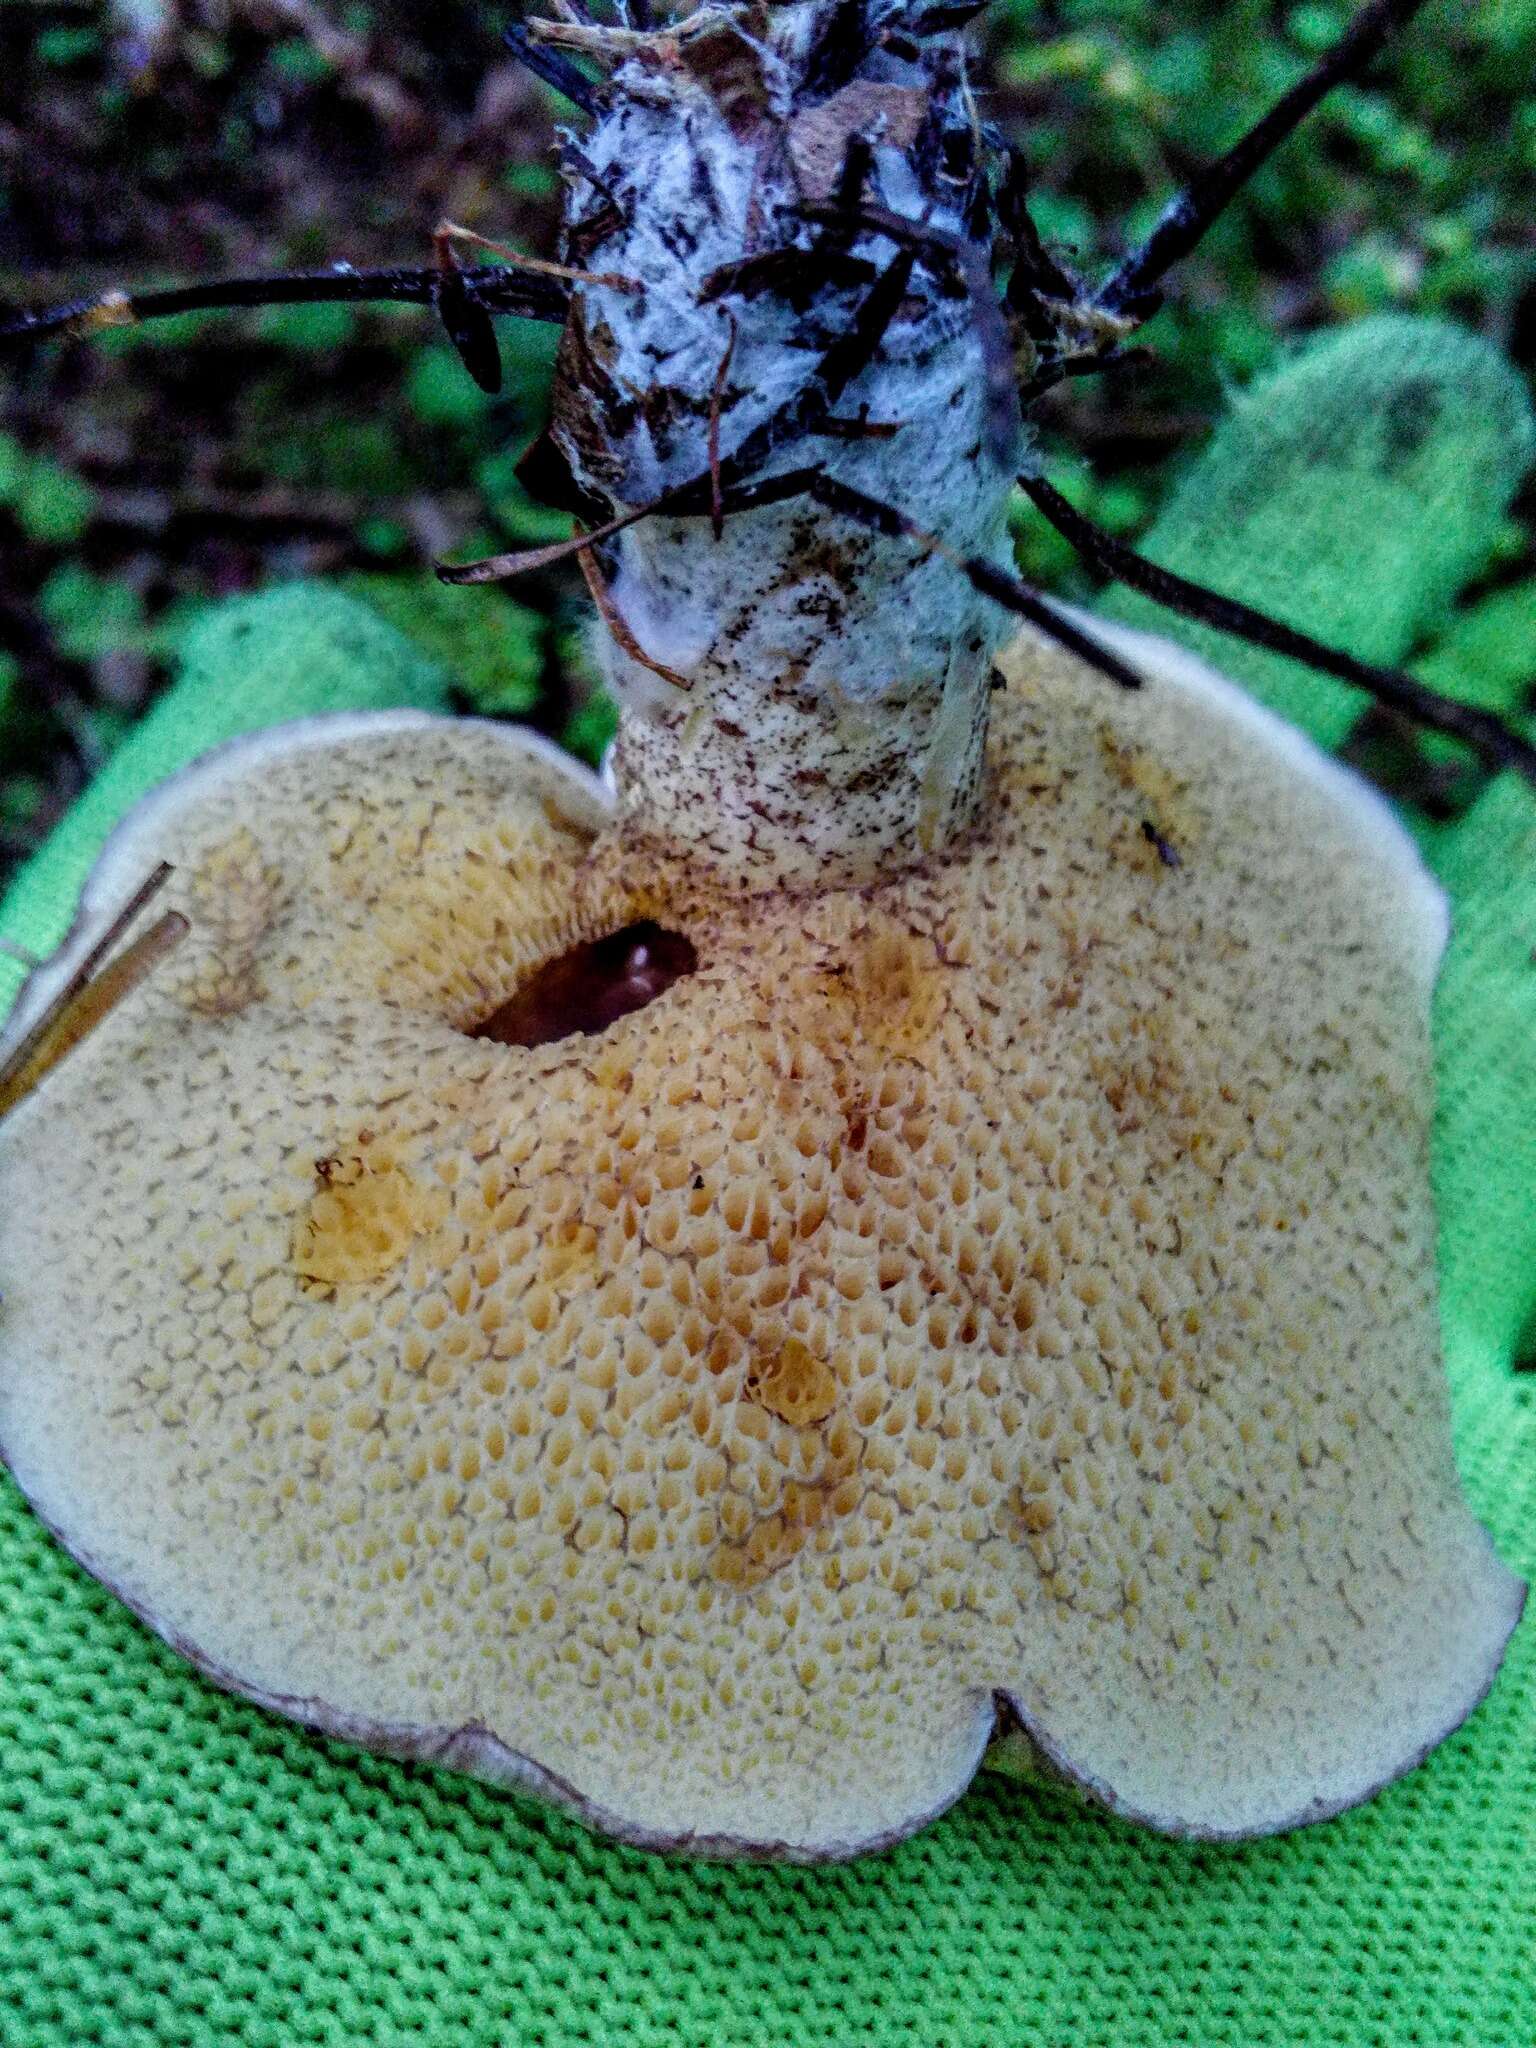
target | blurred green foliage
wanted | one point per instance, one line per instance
(492, 647)
(48, 503)
(165, 467)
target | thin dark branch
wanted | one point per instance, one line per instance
(754, 493)
(759, 491)
(710, 491)
(519, 561)
(1488, 737)
(1186, 219)
(978, 215)
(843, 41)
(837, 236)
(618, 625)
(1036, 272)
(853, 173)
(968, 260)
(1089, 364)
(845, 359)
(799, 274)
(555, 68)
(1011, 592)
(943, 21)
(1016, 596)
(75, 1011)
(835, 428)
(795, 274)
(488, 286)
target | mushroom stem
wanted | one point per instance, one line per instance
(783, 777)
(834, 717)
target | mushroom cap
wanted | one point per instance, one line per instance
(1006, 1285)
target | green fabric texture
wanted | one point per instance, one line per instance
(1352, 493)
(1485, 1035)
(179, 1868)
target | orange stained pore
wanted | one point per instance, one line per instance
(794, 1384)
(362, 1219)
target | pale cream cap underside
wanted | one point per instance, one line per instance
(1011, 1279)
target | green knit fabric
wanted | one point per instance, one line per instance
(179, 1868)
(1351, 493)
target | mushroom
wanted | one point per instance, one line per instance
(895, 1223)
(945, 1294)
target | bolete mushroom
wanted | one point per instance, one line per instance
(904, 1219)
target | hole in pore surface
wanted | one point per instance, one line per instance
(591, 986)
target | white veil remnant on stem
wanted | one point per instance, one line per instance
(838, 678)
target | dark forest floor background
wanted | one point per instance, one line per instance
(149, 141)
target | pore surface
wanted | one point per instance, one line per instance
(1013, 1277)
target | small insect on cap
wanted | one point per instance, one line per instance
(760, 327)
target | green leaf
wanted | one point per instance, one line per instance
(90, 616)
(1353, 493)
(526, 521)
(589, 731)
(52, 505)
(441, 392)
